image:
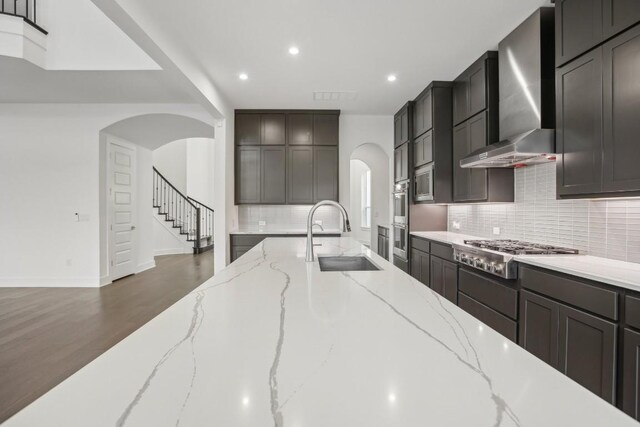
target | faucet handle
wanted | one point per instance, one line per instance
(347, 225)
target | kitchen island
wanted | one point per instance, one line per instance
(272, 340)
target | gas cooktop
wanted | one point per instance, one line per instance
(496, 256)
(517, 247)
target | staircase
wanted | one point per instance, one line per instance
(192, 218)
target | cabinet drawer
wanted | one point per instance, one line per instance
(591, 298)
(632, 311)
(246, 240)
(420, 244)
(383, 231)
(497, 296)
(491, 318)
(442, 251)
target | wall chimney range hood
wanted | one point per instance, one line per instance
(527, 97)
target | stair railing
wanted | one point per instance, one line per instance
(26, 9)
(206, 218)
(177, 207)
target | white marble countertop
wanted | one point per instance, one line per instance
(267, 230)
(271, 340)
(613, 272)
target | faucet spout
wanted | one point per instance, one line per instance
(346, 226)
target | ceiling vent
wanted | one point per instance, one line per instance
(332, 95)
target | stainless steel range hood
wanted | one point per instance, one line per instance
(527, 97)
(535, 146)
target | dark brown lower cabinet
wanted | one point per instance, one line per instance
(489, 317)
(401, 263)
(578, 344)
(420, 266)
(383, 242)
(631, 374)
(444, 278)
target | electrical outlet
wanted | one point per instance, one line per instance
(496, 231)
(318, 221)
(455, 225)
(262, 223)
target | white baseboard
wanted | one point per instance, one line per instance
(50, 282)
(105, 280)
(146, 266)
(173, 251)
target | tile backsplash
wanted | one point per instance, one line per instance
(605, 228)
(286, 217)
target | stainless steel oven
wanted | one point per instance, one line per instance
(423, 184)
(401, 219)
(401, 203)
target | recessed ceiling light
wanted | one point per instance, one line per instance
(391, 78)
(243, 76)
(294, 50)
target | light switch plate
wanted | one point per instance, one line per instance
(455, 225)
(262, 223)
(496, 231)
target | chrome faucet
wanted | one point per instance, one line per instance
(345, 224)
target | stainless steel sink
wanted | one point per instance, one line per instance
(346, 263)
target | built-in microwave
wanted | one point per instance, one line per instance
(423, 183)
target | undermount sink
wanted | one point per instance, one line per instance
(346, 263)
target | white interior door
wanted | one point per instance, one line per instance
(122, 214)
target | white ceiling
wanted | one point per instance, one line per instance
(23, 82)
(345, 45)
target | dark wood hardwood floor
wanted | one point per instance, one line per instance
(47, 334)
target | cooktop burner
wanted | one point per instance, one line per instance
(516, 247)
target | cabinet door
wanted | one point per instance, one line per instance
(578, 27)
(397, 131)
(420, 266)
(477, 88)
(460, 150)
(404, 126)
(587, 351)
(619, 15)
(248, 129)
(477, 183)
(418, 117)
(397, 164)
(325, 129)
(631, 374)
(300, 173)
(415, 264)
(248, 175)
(579, 125)
(273, 129)
(325, 173)
(423, 149)
(273, 175)
(539, 327)
(300, 129)
(436, 274)
(404, 156)
(380, 246)
(622, 112)
(450, 281)
(460, 99)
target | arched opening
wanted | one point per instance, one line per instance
(369, 192)
(133, 193)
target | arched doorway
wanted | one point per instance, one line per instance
(127, 187)
(370, 190)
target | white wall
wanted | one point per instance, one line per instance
(355, 132)
(171, 161)
(358, 167)
(49, 170)
(201, 170)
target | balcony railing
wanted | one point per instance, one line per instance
(26, 9)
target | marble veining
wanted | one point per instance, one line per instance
(272, 340)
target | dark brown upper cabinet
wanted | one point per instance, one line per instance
(248, 129)
(325, 173)
(621, 66)
(432, 124)
(478, 184)
(300, 129)
(579, 125)
(325, 129)
(476, 89)
(286, 156)
(300, 175)
(402, 124)
(247, 174)
(578, 28)
(584, 24)
(401, 163)
(618, 15)
(273, 129)
(598, 120)
(273, 175)
(260, 129)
